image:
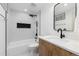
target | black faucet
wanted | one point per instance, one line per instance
(61, 35)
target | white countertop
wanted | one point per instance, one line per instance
(67, 44)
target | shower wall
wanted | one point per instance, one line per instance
(14, 33)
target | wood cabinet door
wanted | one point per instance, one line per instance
(52, 50)
(61, 52)
(43, 51)
(67, 53)
(44, 48)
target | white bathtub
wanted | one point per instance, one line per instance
(22, 48)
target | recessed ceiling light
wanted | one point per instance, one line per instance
(25, 10)
(65, 4)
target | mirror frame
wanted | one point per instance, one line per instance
(54, 17)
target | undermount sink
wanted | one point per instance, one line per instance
(57, 39)
(51, 37)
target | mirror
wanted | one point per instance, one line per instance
(64, 16)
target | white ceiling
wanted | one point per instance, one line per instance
(32, 7)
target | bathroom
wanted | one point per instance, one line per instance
(28, 29)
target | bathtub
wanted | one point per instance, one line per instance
(22, 48)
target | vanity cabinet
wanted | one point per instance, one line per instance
(48, 49)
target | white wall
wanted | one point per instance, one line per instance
(47, 24)
(14, 33)
(47, 21)
(2, 36)
(2, 32)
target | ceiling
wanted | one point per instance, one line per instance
(31, 7)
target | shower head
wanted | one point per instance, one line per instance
(33, 4)
(32, 15)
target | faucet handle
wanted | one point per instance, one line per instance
(64, 29)
(63, 35)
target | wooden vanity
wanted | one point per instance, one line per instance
(48, 49)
